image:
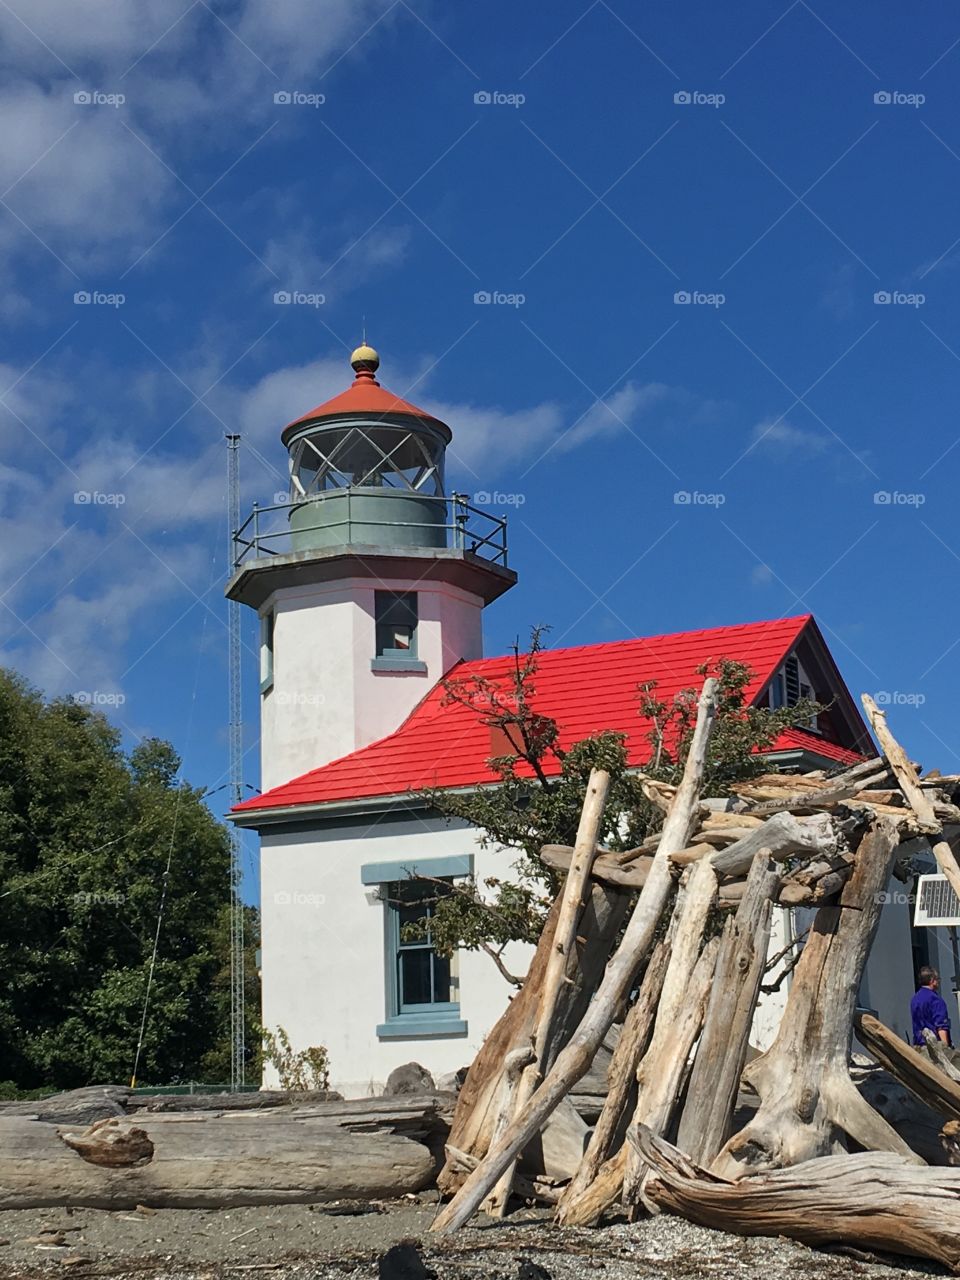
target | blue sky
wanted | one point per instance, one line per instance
(777, 190)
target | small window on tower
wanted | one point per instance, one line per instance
(266, 651)
(396, 618)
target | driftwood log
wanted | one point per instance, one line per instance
(477, 1107)
(683, 1004)
(913, 1069)
(621, 1079)
(918, 800)
(574, 1060)
(874, 1200)
(197, 1161)
(807, 1098)
(563, 952)
(715, 1080)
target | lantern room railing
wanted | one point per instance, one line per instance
(267, 531)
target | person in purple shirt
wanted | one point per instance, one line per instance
(929, 1009)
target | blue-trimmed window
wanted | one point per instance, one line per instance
(422, 987)
(423, 981)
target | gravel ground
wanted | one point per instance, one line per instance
(336, 1242)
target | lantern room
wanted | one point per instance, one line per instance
(367, 468)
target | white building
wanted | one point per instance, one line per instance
(370, 586)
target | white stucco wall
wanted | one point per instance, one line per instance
(325, 700)
(324, 978)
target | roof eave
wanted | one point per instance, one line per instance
(413, 800)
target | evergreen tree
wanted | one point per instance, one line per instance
(85, 836)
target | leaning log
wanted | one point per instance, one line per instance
(621, 971)
(715, 1080)
(563, 953)
(914, 1070)
(683, 1004)
(874, 1200)
(196, 1161)
(477, 1104)
(807, 1098)
(918, 800)
(621, 1077)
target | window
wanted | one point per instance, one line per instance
(396, 631)
(423, 980)
(266, 651)
(422, 988)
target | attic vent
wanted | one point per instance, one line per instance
(937, 903)
(791, 671)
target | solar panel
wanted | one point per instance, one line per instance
(937, 903)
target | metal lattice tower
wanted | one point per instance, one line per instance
(237, 1060)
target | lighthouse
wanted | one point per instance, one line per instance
(369, 581)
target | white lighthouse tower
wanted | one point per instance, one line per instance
(369, 582)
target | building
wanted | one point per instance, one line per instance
(370, 584)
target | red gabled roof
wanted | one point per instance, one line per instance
(585, 689)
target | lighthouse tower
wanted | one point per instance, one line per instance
(369, 582)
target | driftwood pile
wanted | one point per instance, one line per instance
(682, 977)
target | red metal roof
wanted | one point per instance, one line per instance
(364, 395)
(585, 689)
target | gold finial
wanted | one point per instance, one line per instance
(365, 358)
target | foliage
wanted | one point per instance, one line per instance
(85, 833)
(305, 1070)
(522, 813)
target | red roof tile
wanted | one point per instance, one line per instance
(585, 689)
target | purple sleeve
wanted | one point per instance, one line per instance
(938, 1012)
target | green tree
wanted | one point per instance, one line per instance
(85, 837)
(522, 813)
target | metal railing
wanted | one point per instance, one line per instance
(268, 531)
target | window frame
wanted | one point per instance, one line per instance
(383, 603)
(439, 1020)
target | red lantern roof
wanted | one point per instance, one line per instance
(364, 398)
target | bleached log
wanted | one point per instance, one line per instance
(607, 867)
(513, 1067)
(715, 1079)
(917, 798)
(198, 1161)
(939, 1053)
(914, 1070)
(621, 1077)
(680, 1014)
(574, 1060)
(572, 901)
(784, 835)
(475, 1113)
(873, 1200)
(807, 1099)
(807, 795)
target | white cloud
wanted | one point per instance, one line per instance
(299, 264)
(84, 183)
(785, 439)
(75, 176)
